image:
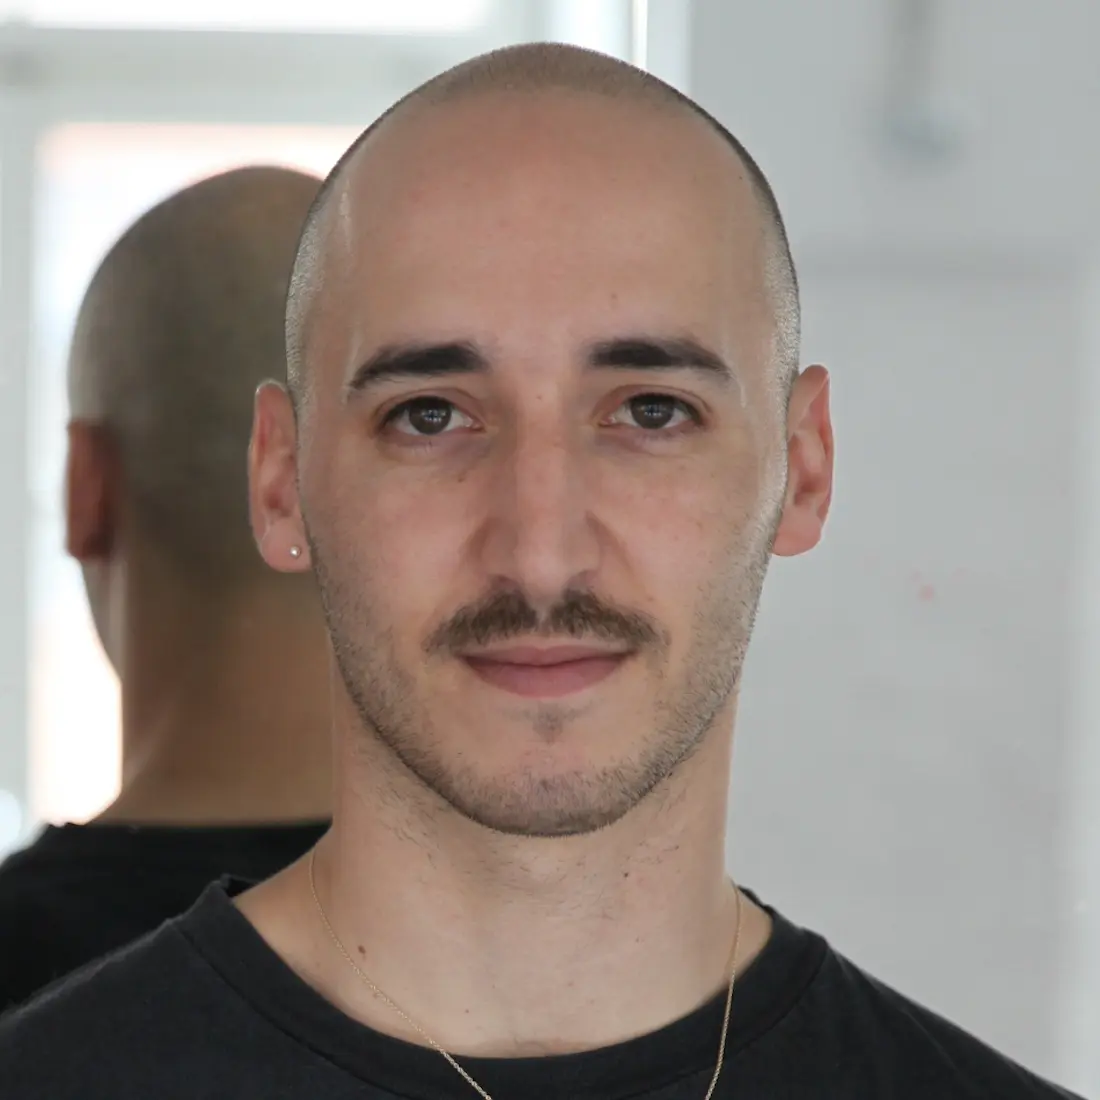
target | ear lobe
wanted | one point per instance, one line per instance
(90, 487)
(810, 457)
(273, 484)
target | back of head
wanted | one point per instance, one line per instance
(182, 320)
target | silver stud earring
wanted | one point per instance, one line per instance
(295, 551)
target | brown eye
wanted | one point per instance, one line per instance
(425, 416)
(653, 412)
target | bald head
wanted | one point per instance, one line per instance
(540, 324)
(182, 320)
(532, 69)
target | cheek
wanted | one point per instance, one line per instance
(674, 521)
(397, 533)
(420, 521)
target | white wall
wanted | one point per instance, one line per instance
(910, 773)
(903, 741)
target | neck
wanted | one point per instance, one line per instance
(225, 712)
(503, 946)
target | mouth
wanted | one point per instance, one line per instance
(545, 672)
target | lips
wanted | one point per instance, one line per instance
(546, 672)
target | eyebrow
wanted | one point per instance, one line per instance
(660, 353)
(405, 361)
(420, 361)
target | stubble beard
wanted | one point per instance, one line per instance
(566, 803)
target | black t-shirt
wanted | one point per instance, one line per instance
(204, 1008)
(80, 891)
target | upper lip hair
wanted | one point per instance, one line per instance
(543, 654)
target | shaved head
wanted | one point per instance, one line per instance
(528, 69)
(182, 321)
(542, 343)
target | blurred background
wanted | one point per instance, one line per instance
(918, 764)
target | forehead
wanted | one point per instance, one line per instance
(536, 209)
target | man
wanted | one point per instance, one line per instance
(223, 663)
(545, 428)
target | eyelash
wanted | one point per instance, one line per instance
(426, 439)
(398, 411)
(679, 404)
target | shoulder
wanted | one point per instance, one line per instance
(33, 927)
(884, 1037)
(120, 1013)
(58, 913)
(161, 1018)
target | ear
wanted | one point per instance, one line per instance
(91, 492)
(273, 483)
(809, 465)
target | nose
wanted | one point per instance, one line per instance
(540, 536)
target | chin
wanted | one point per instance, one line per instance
(560, 807)
(552, 792)
(543, 769)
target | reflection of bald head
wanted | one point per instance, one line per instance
(182, 321)
(542, 68)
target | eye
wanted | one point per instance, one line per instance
(426, 416)
(654, 412)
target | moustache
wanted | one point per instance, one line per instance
(507, 615)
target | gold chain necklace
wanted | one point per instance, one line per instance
(454, 1065)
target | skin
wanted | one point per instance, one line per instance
(211, 735)
(480, 813)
